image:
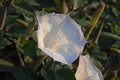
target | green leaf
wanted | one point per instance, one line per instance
(23, 73)
(64, 74)
(28, 18)
(105, 42)
(5, 62)
(46, 76)
(20, 73)
(31, 2)
(110, 35)
(112, 28)
(82, 22)
(45, 3)
(97, 54)
(1, 33)
(116, 44)
(18, 31)
(97, 63)
(28, 49)
(10, 19)
(20, 10)
(5, 68)
(4, 42)
(59, 73)
(78, 3)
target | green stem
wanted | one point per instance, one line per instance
(95, 19)
(3, 19)
(98, 35)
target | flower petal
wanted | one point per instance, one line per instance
(86, 70)
(60, 37)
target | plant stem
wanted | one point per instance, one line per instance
(98, 35)
(95, 19)
(3, 18)
(21, 59)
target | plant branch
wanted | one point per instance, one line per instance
(98, 35)
(21, 59)
(3, 18)
(95, 19)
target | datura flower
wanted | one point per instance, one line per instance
(60, 37)
(86, 70)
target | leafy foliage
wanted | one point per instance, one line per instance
(19, 54)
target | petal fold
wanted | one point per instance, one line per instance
(86, 70)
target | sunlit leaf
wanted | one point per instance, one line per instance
(78, 3)
(5, 62)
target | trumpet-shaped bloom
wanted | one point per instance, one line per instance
(86, 70)
(60, 37)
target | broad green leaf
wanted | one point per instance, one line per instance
(82, 22)
(98, 63)
(23, 73)
(18, 31)
(10, 19)
(28, 18)
(20, 73)
(28, 49)
(26, 6)
(60, 73)
(1, 33)
(105, 42)
(97, 54)
(112, 28)
(5, 68)
(64, 74)
(45, 3)
(113, 61)
(4, 42)
(30, 2)
(20, 10)
(116, 44)
(47, 76)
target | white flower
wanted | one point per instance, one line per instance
(60, 37)
(86, 70)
